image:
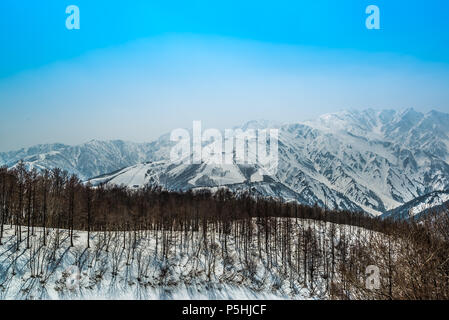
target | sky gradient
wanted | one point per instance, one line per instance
(138, 70)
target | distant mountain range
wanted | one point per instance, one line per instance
(375, 161)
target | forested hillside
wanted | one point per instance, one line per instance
(149, 243)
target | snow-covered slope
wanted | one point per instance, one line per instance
(236, 178)
(432, 202)
(131, 265)
(380, 159)
(370, 160)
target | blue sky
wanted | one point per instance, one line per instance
(137, 69)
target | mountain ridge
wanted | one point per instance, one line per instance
(373, 160)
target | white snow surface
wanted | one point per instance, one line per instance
(107, 270)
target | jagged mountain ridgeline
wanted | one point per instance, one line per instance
(371, 161)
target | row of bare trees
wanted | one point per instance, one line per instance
(55, 199)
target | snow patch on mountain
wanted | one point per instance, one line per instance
(432, 202)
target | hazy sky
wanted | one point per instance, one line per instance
(134, 72)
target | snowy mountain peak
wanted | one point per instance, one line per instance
(259, 125)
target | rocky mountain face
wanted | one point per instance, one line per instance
(89, 159)
(368, 160)
(429, 203)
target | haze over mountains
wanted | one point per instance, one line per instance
(368, 160)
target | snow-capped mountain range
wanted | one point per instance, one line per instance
(368, 160)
